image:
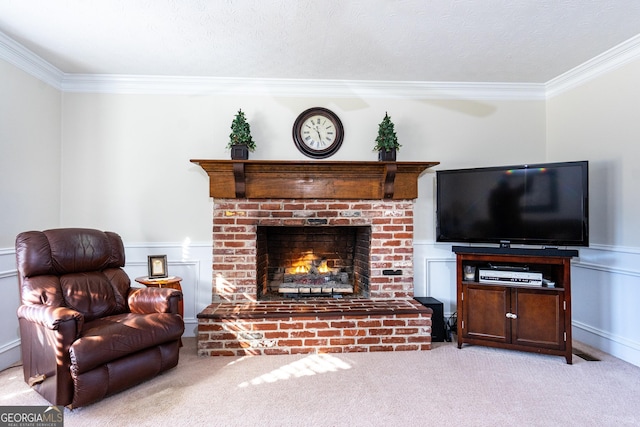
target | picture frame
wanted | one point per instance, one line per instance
(157, 266)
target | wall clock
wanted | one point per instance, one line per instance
(318, 133)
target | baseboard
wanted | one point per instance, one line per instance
(10, 354)
(617, 346)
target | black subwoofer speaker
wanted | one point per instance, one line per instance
(437, 318)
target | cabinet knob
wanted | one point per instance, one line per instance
(512, 316)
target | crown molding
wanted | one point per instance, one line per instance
(181, 85)
(18, 55)
(606, 62)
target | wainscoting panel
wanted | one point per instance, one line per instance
(435, 274)
(191, 262)
(9, 302)
(606, 290)
(441, 273)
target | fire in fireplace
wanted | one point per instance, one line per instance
(313, 261)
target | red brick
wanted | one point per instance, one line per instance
(329, 350)
(354, 332)
(343, 324)
(248, 205)
(381, 331)
(291, 325)
(342, 341)
(299, 206)
(339, 206)
(222, 353)
(276, 351)
(249, 352)
(221, 336)
(264, 326)
(368, 340)
(317, 325)
(289, 343)
(407, 331)
(303, 334)
(393, 322)
(356, 349)
(276, 334)
(302, 350)
(209, 327)
(270, 206)
(381, 348)
(329, 333)
(209, 345)
(394, 340)
(419, 322)
(407, 348)
(369, 323)
(315, 206)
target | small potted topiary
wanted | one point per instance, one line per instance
(240, 141)
(387, 141)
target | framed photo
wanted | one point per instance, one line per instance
(157, 266)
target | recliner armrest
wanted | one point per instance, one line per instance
(154, 300)
(49, 316)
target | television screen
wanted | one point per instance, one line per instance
(542, 204)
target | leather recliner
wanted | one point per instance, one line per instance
(85, 332)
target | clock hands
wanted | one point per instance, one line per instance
(323, 130)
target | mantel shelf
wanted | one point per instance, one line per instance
(274, 179)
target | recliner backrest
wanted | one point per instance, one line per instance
(78, 268)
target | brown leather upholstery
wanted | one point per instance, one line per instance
(85, 332)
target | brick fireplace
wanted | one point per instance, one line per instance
(307, 274)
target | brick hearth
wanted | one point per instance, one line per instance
(312, 326)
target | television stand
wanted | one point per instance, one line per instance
(533, 318)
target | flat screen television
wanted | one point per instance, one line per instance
(540, 204)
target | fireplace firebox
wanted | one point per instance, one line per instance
(312, 261)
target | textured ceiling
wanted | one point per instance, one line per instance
(529, 41)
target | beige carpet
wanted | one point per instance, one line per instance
(475, 386)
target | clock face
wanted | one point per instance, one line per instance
(318, 133)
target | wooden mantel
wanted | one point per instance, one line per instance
(275, 179)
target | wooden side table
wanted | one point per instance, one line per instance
(171, 282)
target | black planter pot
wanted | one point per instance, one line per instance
(239, 152)
(387, 156)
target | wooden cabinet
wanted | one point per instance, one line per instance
(521, 317)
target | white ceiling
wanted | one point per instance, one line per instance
(511, 41)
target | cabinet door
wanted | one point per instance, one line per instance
(484, 313)
(540, 318)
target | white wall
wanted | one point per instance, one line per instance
(30, 120)
(30, 153)
(598, 121)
